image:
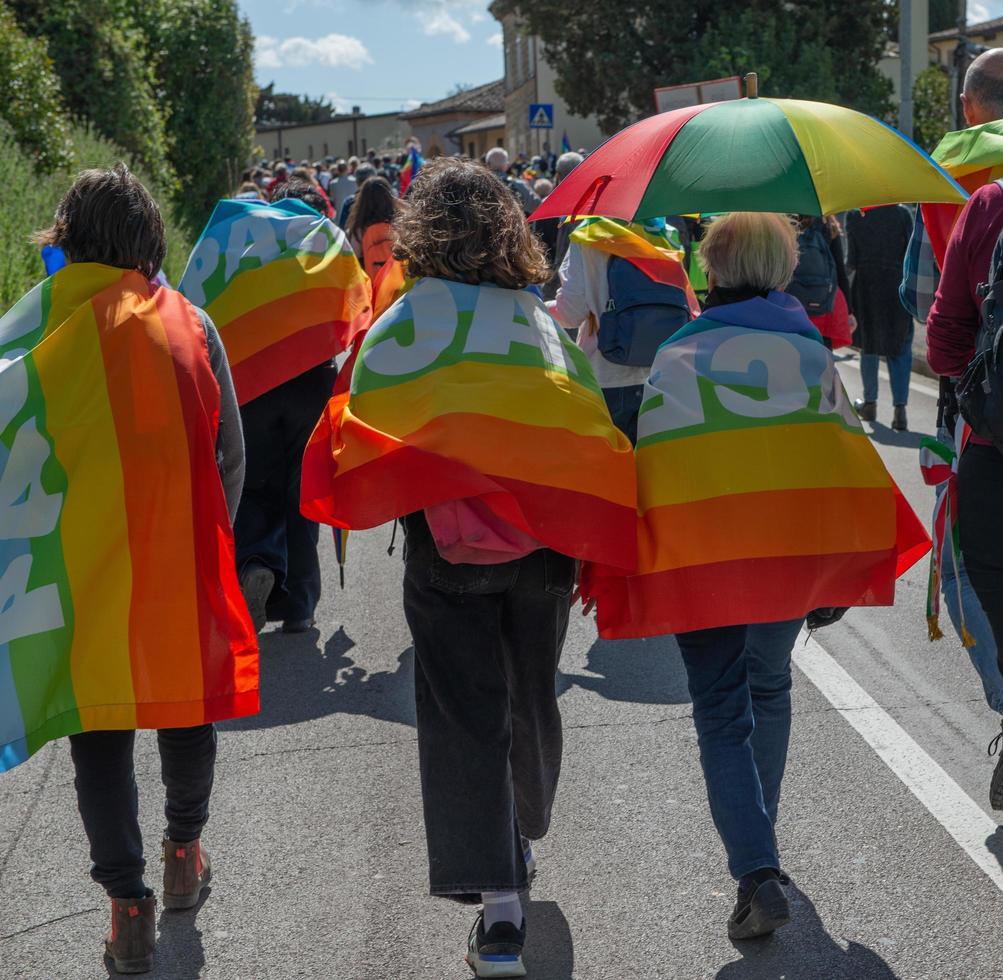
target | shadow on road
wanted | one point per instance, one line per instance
(551, 954)
(805, 940)
(301, 681)
(644, 671)
(886, 436)
(994, 844)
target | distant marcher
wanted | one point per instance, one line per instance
(363, 174)
(249, 191)
(307, 175)
(556, 232)
(820, 281)
(369, 222)
(280, 173)
(595, 285)
(342, 186)
(497, 162)
(878, 239)
(276, 544)
(543, 187)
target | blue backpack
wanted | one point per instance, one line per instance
(814, 282)
(641, 315)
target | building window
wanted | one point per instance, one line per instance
(364, 147)
(287, 151)
(500, 141)
(326, 153)
(351, 148)
(309, 152)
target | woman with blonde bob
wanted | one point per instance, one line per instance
(740, 676)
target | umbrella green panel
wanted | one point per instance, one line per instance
(733, 156)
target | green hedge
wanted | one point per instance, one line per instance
(32, 103)
(29, 202)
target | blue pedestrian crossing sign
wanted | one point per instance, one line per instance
(541, 115)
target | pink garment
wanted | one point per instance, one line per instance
(467, 532)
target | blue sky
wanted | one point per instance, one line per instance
(385, 55)
(382, 55)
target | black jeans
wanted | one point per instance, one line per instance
(109, 800)
(487, 641)
(269, 527)
(980, 522)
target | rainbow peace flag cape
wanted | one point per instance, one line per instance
(473, 391)
(760, 497)
(121, 604)
(973, 157)
(652, 253)
(283, 287)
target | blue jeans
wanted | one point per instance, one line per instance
(983, 654)
(899, 369)
(740, 682)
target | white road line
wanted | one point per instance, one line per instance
(955, 810)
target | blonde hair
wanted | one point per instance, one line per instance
(752, 250)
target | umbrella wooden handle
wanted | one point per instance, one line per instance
(752, 85)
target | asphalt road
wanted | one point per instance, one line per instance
(317, 836)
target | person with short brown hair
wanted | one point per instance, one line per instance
(108, 218)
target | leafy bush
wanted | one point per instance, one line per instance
(202, 53)
(32, 104)
(100, 54)
(28, 203)
(931, 106)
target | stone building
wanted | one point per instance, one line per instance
(529, 80)
(437, 125)
(350, 134)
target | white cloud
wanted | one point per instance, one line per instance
(335, 100)
(440, 21)
(478, 17)
(496, 39)
(977, 12)
(332, 50)
(412, 103)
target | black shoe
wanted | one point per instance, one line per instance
(297, 625)
(257, 582)
(866, 411)
(900, 423)
(761, 909)
(497, 952)
(996, 784)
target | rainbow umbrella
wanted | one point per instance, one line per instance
(750, 154)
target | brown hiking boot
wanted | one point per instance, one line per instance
(133, 936)
(186, 872)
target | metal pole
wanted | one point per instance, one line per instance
(905, 60)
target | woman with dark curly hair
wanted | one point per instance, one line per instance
(474, 419)
(489, 729)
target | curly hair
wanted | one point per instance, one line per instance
(108, 216)
(460, 222)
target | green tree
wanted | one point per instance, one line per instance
(943, 14)
(931, 110)
(201, 54)
(32, 105)
(283, 107)
(100, 55)
(609, 60)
